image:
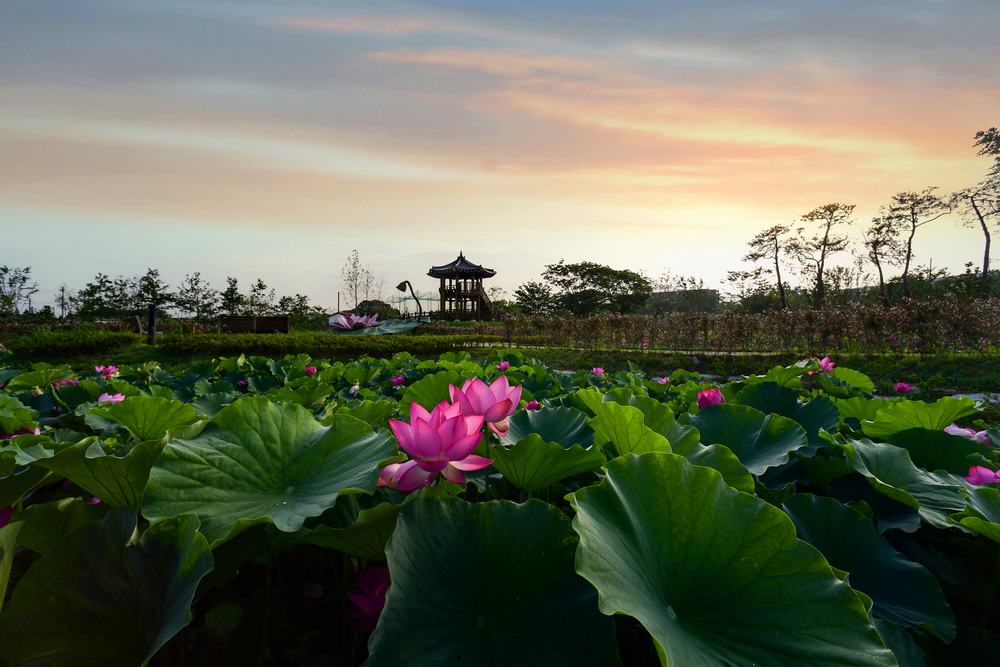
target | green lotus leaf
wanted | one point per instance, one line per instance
(42, 379)
(9, 537)
(759, 441)
(372, 412)
(429, 391)
(982, 514)
(365, 537)
(937, 450)
(719, 458)
(907, 653)
(490, 585)
(533, 464)
(305, 396)
(772, 398)
(148, 418)
(159, 391)
(716, 576)
(905, 415)
(14, 415)
(24, 450)
(45, 524)
(862, 409)
(619, 430)
(116, 477)
(786, 377)
(565, 426)
(24, 478)
(902, 591)
(891, 473)
(96, 600)
(258, 461)
(851, 378)
(659, 417)
(210, 404)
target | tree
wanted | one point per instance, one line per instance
(883, 247)
(96, 299)
(989, 144)
(908, 211)
(813, 251)
(16, 289)
(358, 281)
(767, 245)
(980, 205)
(231, 301)
(196, 297)
(150, 289)
(751, 289)
(260, 301)
(534, 298)
(587, 287)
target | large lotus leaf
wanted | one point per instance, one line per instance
(42, 379)
(148, 418)
(372, 412)
(715, 575)
(97, 600)
(902, 591)
(862, 409)
(305, 396)
(891, 473)
(429, 391)
(937, 450)
(786, 377)
(533, 464)
(718, 458)
(759, 441)
(366, 537)
(24, 479)
(9, 536)
(982, 514)
(14, 415)
(772, 398)
(210, 404)
(24, 450)
(258, 461)
(45, 524)
(566, 426)
(619, 430)
(907, 653)
(488, 585)
(846, 383)
(659, 417)
(905, 415)
(96, 468)
(853, 378)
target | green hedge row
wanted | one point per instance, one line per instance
(316, 345)
(71, 342)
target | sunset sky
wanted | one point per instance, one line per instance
(269, 139)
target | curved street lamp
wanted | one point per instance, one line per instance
(402, 288)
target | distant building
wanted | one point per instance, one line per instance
(461, 292)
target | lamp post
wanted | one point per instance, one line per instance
(402, 288)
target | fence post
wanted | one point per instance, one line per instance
(151, 325)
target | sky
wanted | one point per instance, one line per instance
(271, 139)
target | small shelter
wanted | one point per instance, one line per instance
(462, 293)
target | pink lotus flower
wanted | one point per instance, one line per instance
(242, 383)
(970, 433)
(442, 441)
(373, 582)
(5, 514)
(106, 372)
(825, 365)
(532, 405)
(111, 398)
(398, 380)
(405, 477)
(598, 371)
(310, 370)
(980, 475)
(95, 500)
(710, 397)
(661, 380)
(63, 383)
(503, 366)
(23, 431)
(353, 391)
(494, 402)
(903, 388)
(349, 321)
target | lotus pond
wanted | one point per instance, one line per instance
(495, 511)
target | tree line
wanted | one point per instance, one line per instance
(804, 247)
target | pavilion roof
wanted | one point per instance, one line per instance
(461, 268)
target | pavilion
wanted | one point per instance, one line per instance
(462, 293)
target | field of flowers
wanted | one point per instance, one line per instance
(292, 511)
